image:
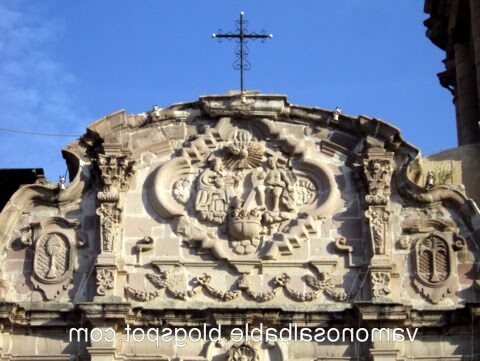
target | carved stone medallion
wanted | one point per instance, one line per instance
(53, 258)
(435, 267)
(237, 192)
(54, 242)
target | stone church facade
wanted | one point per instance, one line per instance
(243, 210)
(240, 209)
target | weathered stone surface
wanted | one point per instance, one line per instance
(228, 210)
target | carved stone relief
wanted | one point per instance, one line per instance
(243, 352)
(378, 218)
(380, 284)
(116, 169)
(237, 194)
(377, 168)
(433, 243)
(165, 280)
(435, 265)
(105, 280)
(55, 242)
(377, 171)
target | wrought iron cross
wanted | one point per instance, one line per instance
(241, 63)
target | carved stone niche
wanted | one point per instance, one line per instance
(244, 194)
(54, 242)
(435, 264)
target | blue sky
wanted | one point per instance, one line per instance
(64, 64)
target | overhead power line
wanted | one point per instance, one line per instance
(26, 132)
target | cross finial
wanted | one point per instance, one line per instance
(241, 63)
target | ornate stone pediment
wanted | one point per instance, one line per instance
(234, 209)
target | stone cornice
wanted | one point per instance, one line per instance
(364, 314)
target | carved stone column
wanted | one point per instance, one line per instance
(116, 170)
(377, 170)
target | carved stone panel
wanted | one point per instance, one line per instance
(435, 266)
(53, 260)
(54, 243)
(239, 194)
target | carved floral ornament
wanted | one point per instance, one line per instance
(54, 242)
(241, 194)
(166, 281)
(115, 171)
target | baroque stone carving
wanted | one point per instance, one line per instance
(404, 242)
(55, 242)
(378, 218)
(243, 352)
(435, 266)
(377, 170)
(165, 280)
(109, 220)
(246, 196)
(115, 171)
(378, 173)
(380, 284)
(182, 189)
(105, 280)
(53, 258)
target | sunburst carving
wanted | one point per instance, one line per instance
(244, 152)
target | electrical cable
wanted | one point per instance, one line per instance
(25, 132)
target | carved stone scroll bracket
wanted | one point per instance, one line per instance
(144, 245)
(449, 196)
(54, 242)
(341, 246)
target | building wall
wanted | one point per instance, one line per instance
(234, 210)
(454, 26)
